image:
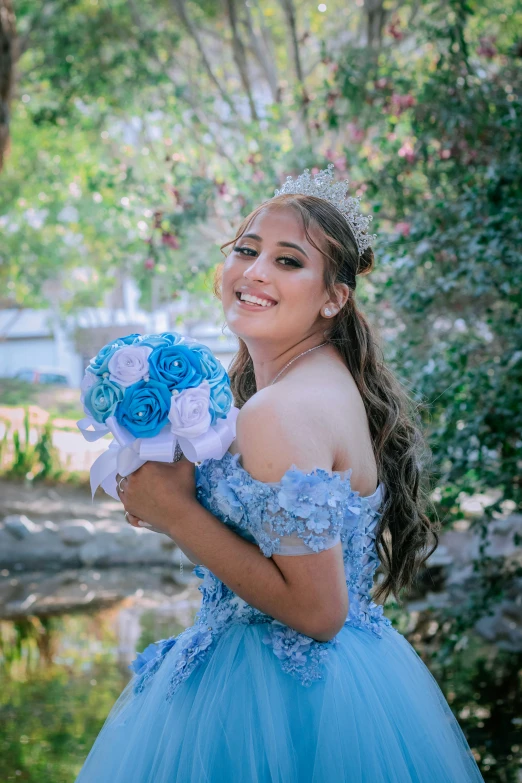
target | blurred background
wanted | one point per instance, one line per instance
(133, 138)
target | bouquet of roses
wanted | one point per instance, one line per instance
(160, 396)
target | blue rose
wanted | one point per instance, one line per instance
(221, 399)
(211, 368)
(163, 338)
(102, 398)
(129, 339)
(177, 366)
(99, 363)
(144, 409)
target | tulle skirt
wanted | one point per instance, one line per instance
(377, 716)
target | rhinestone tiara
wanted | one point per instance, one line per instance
(323, 186)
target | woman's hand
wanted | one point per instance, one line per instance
(158, 493)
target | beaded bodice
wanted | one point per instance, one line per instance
(303, 513)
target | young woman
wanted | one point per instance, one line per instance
(291, 673)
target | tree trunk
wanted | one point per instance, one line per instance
(375, 19)
(179, 7)
(290, 14)
(238, 51)
(263, 49)
(7, 60)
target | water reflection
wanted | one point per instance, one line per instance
(63, 666)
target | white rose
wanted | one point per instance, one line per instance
(189, 411)
(87, 381)
(129, 364)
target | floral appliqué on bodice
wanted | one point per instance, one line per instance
(303, 513)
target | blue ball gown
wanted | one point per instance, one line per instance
(241, 698)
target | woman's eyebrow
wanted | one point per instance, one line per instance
(281, 244)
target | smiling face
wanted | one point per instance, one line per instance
(274, 261)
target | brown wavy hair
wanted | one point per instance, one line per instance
(404, 531)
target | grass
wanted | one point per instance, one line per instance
(59, 401)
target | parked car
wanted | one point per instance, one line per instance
(46, 375)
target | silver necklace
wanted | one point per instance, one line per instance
(297, 357)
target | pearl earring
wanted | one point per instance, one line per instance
(329, 312)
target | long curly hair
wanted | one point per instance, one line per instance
(404, 531)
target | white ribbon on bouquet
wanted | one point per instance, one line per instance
(127, 453)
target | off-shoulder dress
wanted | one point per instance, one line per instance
(239, 697)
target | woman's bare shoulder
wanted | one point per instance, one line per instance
(275, 431)
(318, 415)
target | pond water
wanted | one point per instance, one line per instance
(67, 638)
(61, 672)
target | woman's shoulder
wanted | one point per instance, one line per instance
(312, 419)
(276, 428)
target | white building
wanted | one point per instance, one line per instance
(36, 338)
(31, 339)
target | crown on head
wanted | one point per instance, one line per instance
(323, 186)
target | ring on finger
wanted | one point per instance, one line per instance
(123, 478)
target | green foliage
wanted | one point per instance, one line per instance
(437, 146)
(15, 392)
(449, 177)
(122, 123)
(52, 710)
(47, 454)
(23, 451)
(34, 462)
(482, 686)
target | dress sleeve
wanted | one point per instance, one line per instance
(301, 514)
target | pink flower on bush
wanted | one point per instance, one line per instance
(356, 134)
(170, 240)
(487, 47)
(337, 159)
(394, 31)
(406, 151)
(403, 228)
(331, 98)
(401, 102)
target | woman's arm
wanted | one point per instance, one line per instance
(241, 565)
(306, 592)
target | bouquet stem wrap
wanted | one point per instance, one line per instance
(127, 453)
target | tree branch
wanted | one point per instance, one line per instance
(376, 15)
(238, 51)
(263, 50)
(179, 7)
(8, 56)
(289, 11)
